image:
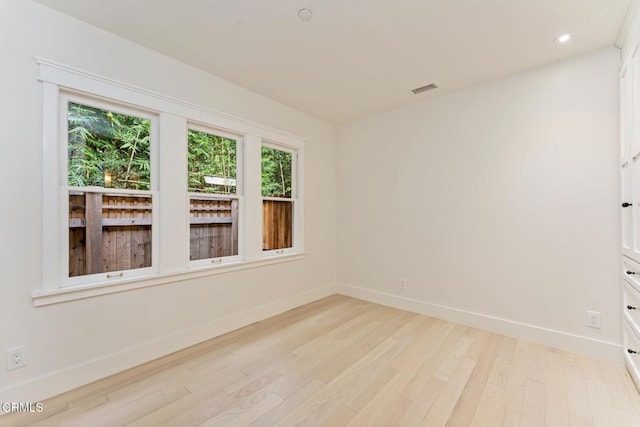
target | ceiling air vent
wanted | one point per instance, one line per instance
(419, 90)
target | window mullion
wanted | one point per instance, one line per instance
(253, 199)
(173, 199)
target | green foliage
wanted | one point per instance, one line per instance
(104, 144)
(276, 173)
(109, 149)
(210, 156)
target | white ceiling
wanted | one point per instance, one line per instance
(357, 57)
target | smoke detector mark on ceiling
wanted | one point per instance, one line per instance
(305, 14)
(421, 89)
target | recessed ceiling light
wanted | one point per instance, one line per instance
(563, 38)
(305, 14)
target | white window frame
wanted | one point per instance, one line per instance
(295, 229)
(67, 97)
(207, 262)
(170, 257)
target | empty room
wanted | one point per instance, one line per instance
(320, 212)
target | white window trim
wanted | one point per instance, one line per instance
(42, 297)
(58, 79)
(295, 156)
(208, 262)
(65, 281)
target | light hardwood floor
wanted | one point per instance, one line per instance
(341, 361)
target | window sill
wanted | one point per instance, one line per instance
(55, 296)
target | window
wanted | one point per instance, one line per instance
(214, 190)
(109, 189)
(141, 189)
(278, 202)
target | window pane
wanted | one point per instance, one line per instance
(212, 163)
(108, 232)
(108, 149)
(276, 173)
(213, 227)
(277, 224)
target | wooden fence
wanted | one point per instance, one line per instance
(213, 227)
(277, 224)
(112, 232)
(108, 232)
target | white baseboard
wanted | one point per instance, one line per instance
(38, 389)
(553, 338)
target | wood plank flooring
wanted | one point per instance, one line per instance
(345, 362)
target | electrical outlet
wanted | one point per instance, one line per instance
(402, 283)
(310, 279)
(593, 319)
(16, 357)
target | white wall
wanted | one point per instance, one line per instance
(499, 204)
(75, 342)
